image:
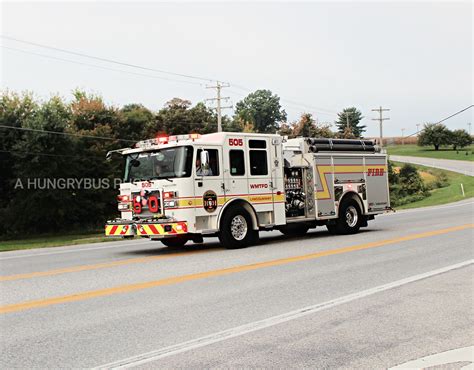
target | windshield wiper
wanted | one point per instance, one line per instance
(160, 178)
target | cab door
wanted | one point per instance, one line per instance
(208, 188)
(260, 184)
(235, 168)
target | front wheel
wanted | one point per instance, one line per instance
(236, 229)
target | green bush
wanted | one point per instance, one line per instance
(406, 186)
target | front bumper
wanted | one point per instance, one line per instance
(162, 229)
(119, 229)
(165, 229)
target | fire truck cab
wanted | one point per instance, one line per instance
(234, 185)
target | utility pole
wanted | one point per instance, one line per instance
(417, 129)
(469, 125)
(381, 119)
(403, 136)
(218, 86)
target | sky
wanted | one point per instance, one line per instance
(414, 58)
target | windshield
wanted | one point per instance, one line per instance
(159, 164)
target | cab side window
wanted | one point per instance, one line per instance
(213, 169)
(237, 162)
(258, 163)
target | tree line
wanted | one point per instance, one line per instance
(59, 139)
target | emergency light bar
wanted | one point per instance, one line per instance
(160, 140)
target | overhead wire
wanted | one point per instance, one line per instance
(47, 154)
(99, 67)
(66, 133)
(444, 119)
(108, 60)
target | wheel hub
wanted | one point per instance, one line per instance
(238, 227)
(351, 216)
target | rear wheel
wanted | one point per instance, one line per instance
(236, 229)
(175, 242)
(294, 229)
(350, 218)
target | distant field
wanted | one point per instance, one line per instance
(442, 153)
(448, 194)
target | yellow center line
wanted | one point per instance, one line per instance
(123, 262)
(220, 272)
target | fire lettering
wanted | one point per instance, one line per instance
(375, 172)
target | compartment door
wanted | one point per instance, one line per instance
(324, 183)
(377, 183)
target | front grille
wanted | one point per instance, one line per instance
(146, 203)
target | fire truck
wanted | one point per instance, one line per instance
(236, 185)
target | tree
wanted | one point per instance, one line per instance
(307, 127)
(460, 139)
(353, 116)
(15, 110)
(285, 130)
(42, 156)
(262, 110)
(134, 121)
(230, 125)
(435, 134)
(178, 118)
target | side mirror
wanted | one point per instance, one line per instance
(111, 153)
(204, 159)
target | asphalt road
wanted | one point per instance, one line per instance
(400, 290)
(464, 167)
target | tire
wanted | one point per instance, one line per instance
(294, 229)
(332, 228)
(236, 229)
(350, 217)
(176, 242)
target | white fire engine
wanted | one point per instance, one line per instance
(234, 185)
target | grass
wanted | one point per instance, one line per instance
(448, 194)
(54, 241)
(442, 153)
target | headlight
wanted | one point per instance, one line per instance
(123, 207)
(170, 203)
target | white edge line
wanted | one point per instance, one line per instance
(265, 323)
(465, 354)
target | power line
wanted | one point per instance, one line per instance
(444, 119)
(47, 154)
(97, 66)
(294, 105)
(65, 133)
(105, 59)
(108, 60)
(455, 114)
